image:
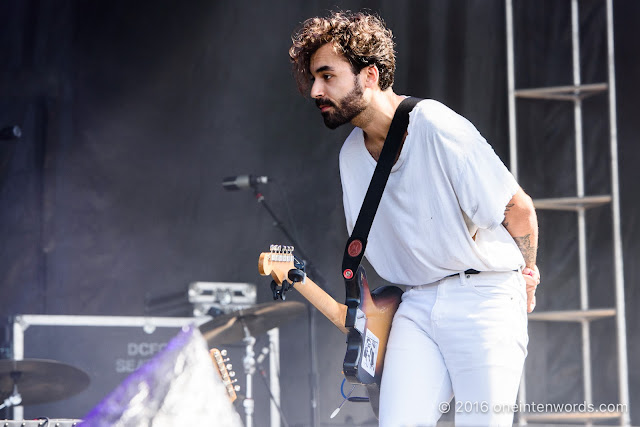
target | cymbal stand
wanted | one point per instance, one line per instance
(249, 362)
(15, 399)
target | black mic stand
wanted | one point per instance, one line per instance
(319, 280)
(10, 132)
(263, 375)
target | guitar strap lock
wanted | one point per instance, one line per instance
(355, 248)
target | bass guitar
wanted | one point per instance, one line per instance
(366, 320)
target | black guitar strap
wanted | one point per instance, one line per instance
(354, 250)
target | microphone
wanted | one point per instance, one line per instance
(243, 182)
(10, 132)
(262, 355)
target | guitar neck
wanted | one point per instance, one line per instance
(279, 261)
(325, 303)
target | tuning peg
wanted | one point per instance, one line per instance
(236, 388)
(229, 367)
(296, 275)
(232, 374)
(223, 352)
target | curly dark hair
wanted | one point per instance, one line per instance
(362, 38)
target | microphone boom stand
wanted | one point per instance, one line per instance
(312, 310)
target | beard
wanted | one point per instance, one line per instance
(349, 107)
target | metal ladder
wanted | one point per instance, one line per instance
(580, 203)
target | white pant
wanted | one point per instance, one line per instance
(464, 335)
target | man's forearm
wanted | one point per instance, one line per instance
(521, 222)
(528, 249)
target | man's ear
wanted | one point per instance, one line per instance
(371, 76)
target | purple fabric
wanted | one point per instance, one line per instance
(179, 386)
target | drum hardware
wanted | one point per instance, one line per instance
(35, 381)
(230, 328)
(14, 399)
(243, 325)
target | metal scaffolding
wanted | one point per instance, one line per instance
(580, 203)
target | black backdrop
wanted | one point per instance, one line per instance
(132, 113)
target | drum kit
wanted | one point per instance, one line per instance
(37, 381)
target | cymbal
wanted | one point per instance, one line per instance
(41, 380)
(229, 328)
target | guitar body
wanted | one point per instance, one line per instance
(369, 317)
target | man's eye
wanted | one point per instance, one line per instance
(327, 76)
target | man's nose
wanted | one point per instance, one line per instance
(316, 89)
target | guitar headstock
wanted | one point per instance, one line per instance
(277, 262)
(226, 374)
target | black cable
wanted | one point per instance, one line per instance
(355, 399)
(273, 399)
(285, 200)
